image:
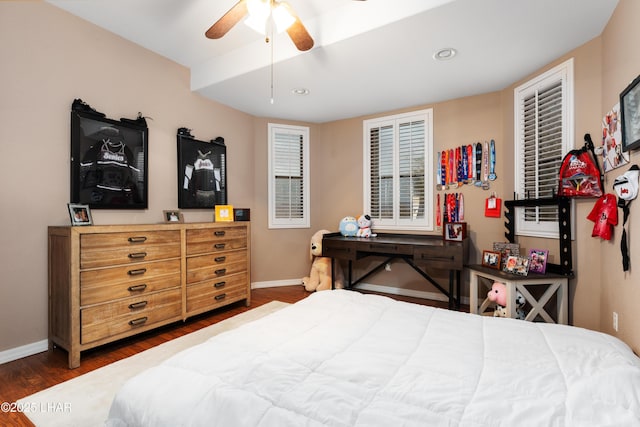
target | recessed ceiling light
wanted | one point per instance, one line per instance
(444, 54)
(300, 91)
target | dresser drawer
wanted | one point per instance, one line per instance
(107, 320)
(107, 284)
(210, 294)
(212, 266)
(442, 257)
(200, 241)
(105, 249)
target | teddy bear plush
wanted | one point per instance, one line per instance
(498, 294)
(364, 226)
(319, 278)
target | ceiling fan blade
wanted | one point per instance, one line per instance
(298, 33)
(228, 20)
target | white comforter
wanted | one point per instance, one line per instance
(340, 358)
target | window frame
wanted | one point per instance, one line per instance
(562, 73)
(397, 223)
(303, 132)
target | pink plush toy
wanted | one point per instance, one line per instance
(498, 293)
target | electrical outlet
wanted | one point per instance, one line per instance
(615, 321)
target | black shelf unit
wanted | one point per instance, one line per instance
(564, 224)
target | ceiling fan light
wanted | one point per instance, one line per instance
(256, 24)
(282, 17)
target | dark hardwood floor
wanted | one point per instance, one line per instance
(31, 374)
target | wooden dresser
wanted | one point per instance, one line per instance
(114, 281)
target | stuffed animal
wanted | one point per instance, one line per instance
(349, 226)
(320, 277)
(364, 226)
(498, 294)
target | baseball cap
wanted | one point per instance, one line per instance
(626, 185)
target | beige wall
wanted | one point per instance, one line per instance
(55, 58)
(620, 291)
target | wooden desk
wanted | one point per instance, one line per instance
(557, 284)
(415, 250)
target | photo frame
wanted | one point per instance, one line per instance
(202, 172)
(630, 112)
(538, 261)
(223, 213)
(173, 217)
(454, 231)
(517, 265)
(491, 259)
(108, 160)
(506, 249)
(80, 214)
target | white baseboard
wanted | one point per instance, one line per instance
(276, 283)
(23, 351)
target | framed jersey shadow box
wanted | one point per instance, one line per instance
(202, 172)
(108, 161)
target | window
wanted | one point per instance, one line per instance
(397, 152)
(288, 176)
(543, 135)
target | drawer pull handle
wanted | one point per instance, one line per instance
(137, 322)
(137, 255)
(137, 305)
(219, 285)
(137, 272)
(219, 233)
(141, 239)
(219, 245)
(220, 297)
(220, 271)
(137, 288)
(220, 258)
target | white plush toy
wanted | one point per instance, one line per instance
(364, 224)
(319, 278)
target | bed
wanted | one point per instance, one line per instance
(342, 358)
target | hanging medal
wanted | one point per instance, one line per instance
(461, 207)
(478, 152)
(438, 214)
(485, 166)
(492, 170)
(470, 175)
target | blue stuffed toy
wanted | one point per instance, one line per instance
(349, 226)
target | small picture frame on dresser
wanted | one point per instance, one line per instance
(172, 217)
(80, 214)
(454, 231)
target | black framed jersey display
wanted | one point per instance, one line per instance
(108, 160)
(202, 172)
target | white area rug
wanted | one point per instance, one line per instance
(85, 401)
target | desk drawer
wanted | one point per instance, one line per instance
(443, 257)
(339, 249)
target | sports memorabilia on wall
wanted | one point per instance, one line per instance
(108, 160)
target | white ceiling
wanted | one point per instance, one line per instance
(369, 56)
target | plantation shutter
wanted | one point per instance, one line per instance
(542, 154)
(411, 164)
(543, 134)
(289, 187)
(381, 179)
(396, 180)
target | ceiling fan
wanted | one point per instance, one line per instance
(262, 16)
